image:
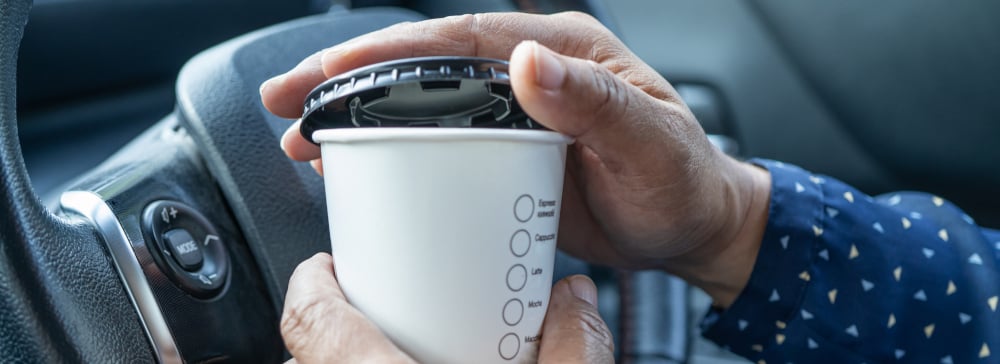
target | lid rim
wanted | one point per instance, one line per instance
(326, 106)
(366, 135)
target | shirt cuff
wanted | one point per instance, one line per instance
(754, 322)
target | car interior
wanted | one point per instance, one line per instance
(129, 126)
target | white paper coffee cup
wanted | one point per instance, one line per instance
(445, 237)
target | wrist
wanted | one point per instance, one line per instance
(724, 261)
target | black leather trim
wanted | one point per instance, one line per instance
(60, 299)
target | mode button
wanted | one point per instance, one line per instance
(184, 249)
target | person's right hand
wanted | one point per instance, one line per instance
(644, 187)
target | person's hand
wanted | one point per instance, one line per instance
(644, 187)
(320, 326)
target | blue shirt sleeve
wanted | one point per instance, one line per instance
(842, 277)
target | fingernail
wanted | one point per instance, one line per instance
(317, 165)
(270, 82)
(335, 51)
(584, 289)
(290, 132)
(332, 59)
(549, 70)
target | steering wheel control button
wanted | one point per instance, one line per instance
(204, 280)
(524, 207)
(517, 276)
(184, 249)
(510, 344)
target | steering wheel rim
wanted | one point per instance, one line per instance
(60, 297)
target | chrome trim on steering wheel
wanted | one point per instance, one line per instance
(94, 209)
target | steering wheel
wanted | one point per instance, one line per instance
(94, 281)
(60, 298)
(179, 247)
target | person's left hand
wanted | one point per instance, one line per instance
(320, 326)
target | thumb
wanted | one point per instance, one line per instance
(573, 331)
(318, 325)
(621, 123)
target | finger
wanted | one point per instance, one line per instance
(492, 35)
(580, 234)
(622, 124)
(573, 331)
(318, 325)
(632, 148)
(458, 36)
(297, 147)
(317, 165)
(283, 95)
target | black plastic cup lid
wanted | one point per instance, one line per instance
(452, 92)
